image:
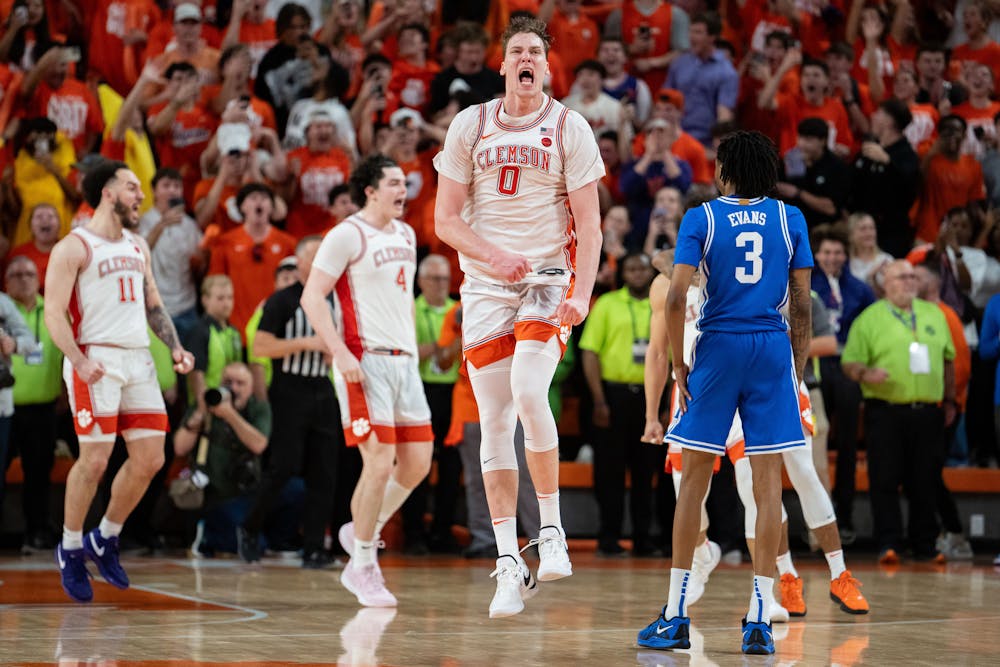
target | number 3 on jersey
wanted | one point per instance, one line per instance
(756, 243)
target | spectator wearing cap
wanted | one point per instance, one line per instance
(979, 109)
(669, 105)
(187, 44)
(42, 164)
(250, 25)
(286, 274)
(887, 176)
(576, 34)
(181, 127)
(288, 71)
(253, 249)
(407, 131)
(816, 180)
(618, 83)
(468, 72)
(950, 179)
(314, 169)
(412, 70)
(655, 32)
(174, 238)
(922, 130)
(215, 198)
(44, 224)
(706, 78)
(811, 101)
(658, 167)
(601, 110)
(49, 91)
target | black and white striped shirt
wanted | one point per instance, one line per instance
(284, 318)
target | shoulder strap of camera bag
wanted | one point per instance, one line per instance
(202, 456)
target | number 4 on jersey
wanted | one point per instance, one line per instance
(401, 279)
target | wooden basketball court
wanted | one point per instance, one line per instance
(214, 612)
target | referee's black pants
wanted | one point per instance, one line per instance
(33, 438)
(620, 447)
(904, 444)
(306, 439)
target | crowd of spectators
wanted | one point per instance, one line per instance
(243, 119)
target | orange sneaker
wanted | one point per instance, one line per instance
(791, 595)
(844, 590)
(888, 557)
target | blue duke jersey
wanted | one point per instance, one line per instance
(745, 250)
(742, 358)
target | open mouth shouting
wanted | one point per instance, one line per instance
(526, 77)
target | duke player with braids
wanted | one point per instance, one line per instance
(370, 259)
(99, 298)
(517, 198)
(753, 254)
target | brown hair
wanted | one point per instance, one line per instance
(530, 25)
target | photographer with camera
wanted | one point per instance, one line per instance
(214, 342)
(15, 338)
(236, 427)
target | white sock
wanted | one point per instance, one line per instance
(785, 565)
(761, 599)
(505, 531)
(677, 597)
(364, 553)
(835, 559)
(702, 553)
(72, 539)
(548, 510)
(393, 498)
(109, 528)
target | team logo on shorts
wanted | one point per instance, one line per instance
(361, 427)
(84, 418)
(564, 332)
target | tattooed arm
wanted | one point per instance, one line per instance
(159, 319)
(800, 314)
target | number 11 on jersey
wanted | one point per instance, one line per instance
(126, 289)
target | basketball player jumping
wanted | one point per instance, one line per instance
(101, 277)
(370, 259)
(517, 194)
(753, 253)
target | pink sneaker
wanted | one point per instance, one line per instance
(367, 585)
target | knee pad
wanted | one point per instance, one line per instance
(497, 454)
(497, 419)
(533, 365)
(817, 509)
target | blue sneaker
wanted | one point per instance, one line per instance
(73, 571)
(664, 634)
(757, 638)
(104, 553)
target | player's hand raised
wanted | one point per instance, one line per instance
(680, 377)
(573, 310)
(348, 366)
(89, 371)
(509, 266)
(653, 432)
(183, 361)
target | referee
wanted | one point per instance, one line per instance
(306, 437)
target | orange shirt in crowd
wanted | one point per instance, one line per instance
(889, 58)
(318, 173)
(412, 84)
(686, 148)
(226, 201)
(206, 62)
(981, 118)
(753, 117)
(963, 356)
(72, 107)
(260, 113)
(964, 55)
(793, 108)
(259, 38)
(421, 187)
(922, 130)
(251, 267)
(31, 251)
(107, 53)
(577, 39)
(181, 146)
(464, 409)
(947, 184)
(659, 24)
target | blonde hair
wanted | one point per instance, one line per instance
(215, 280)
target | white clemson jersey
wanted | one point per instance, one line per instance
(520, 172)
(108, 304)
(375, 286)
(691, 333)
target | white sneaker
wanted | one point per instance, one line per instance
(367, 584)
(514, 585)
(701, 569)
(778, 613)
(954, 546)
(553, 554)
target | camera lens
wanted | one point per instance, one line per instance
(215, 396)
